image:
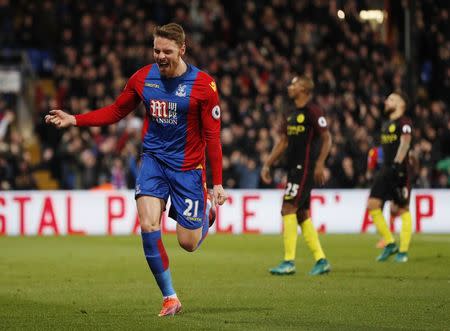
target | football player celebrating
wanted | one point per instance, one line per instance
(182, 120)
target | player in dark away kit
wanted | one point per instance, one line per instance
(392, 182)
(307, 141)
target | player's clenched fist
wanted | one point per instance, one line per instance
(60, 119)
(220, 195)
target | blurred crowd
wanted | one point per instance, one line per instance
(252, 48)
(13, 160)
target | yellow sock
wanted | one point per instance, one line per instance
(380, 223)
(312, 239)
(290, 236)
(405, 234)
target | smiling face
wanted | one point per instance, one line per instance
(167, 55)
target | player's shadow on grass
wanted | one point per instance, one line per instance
(218, 310)
(394, 276)
(437, 258)
(350, 271)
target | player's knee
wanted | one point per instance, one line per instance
(394, 210)
(373, 204)
(148, 226)
(188, 246)
(287, 210)
(302, 215)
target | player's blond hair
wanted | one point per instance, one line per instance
(171, 31)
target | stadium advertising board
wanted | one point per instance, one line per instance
(246, 211)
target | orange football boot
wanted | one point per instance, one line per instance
(171, 306)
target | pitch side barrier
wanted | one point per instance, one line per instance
(246, 211)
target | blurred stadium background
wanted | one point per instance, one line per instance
(77, 55)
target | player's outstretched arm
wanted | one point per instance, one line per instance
(60, 119)
(125, 103)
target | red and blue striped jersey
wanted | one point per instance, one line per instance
(182, 117)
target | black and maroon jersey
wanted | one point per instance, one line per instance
(391, 131)
(303, 127)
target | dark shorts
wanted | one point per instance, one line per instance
(300, 182)
(187, 190)
(387, 187)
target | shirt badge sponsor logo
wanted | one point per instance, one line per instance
(295, 130)
(138, 189)
(213, 86)
(216, 112)
(300, 118)
(163, 112)
(388, 138)
(181, 90)
(151, 85)
(322, 122)
(391, 128)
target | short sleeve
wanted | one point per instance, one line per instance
(318, 120)
(405, 126)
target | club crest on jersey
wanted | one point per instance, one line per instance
(300, 118)
(163, 112)
(181, 90)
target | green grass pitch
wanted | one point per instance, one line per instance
(93, 283)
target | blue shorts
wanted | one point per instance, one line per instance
(187, 190)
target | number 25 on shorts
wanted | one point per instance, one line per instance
(291, 190)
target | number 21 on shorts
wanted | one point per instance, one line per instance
(191, 204)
